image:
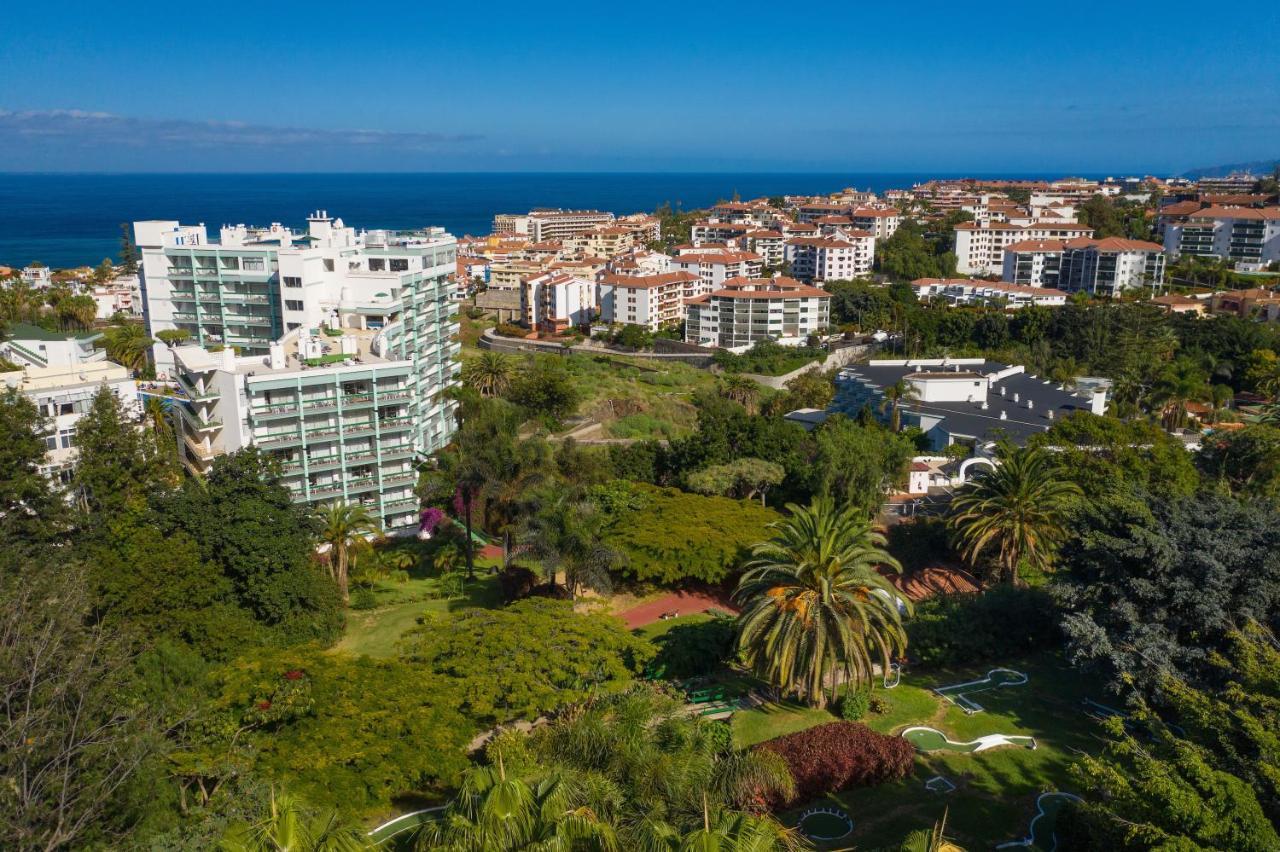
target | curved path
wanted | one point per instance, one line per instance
(681, 603)
(1040, 832)
(931, 739)
(957, 693)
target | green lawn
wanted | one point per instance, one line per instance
(661, 626)
(996, 789)
(374, 632)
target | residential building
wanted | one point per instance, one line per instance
(702, 233)
(1033, 263)
(558, 301)
(540, 225)
(64, 393)
(969, 401)
(651, 301)
(980, 247)
(770, 245)
(1176, 303)
(1108, 267)
(746, 311)
(32, 346)
(715, 266)
(37, 276)
(844, 255)
(1250, 236)
(881, 223)
(1237, 182)
(1252, 302)
(349, 393)
(971, 291)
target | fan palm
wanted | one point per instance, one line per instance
(291, 826)
(816, 612)
(567, 534)
(894, 396)
(1015, 513)
(490, 374)
(344, 526)
(498, 812)
(127, 345)
(740, 389)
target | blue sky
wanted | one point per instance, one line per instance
(948, 87)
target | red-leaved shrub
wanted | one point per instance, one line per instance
(837, 755)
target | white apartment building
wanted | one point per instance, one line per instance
(1110, 266)
(540, 225)
(1250, 236)
(970, 291)
(881, 223)
(746, 311)
(38, 277)
(557, 301)
(328, 350)
(1033, 263)
(715, 266)
(843, 255)
(980, 247)
(651, 301)
(702, 233)
(32, 346)
(64, 393)
(770, 245)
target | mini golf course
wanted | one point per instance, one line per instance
(958, 693)
(1040, 833)
(931, 739)
(824, 823)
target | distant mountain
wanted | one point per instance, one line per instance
(1259, 167)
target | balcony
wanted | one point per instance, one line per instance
(198, 449)
(196, 423)
(192, 393)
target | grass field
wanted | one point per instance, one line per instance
(635, 400)
(996, 789)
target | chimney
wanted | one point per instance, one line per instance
(1004, 415)
(276, 357)
(1099, 402)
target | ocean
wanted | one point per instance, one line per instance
(66, 220)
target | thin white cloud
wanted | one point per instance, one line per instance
(81, 127)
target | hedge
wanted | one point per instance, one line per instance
(831, 757)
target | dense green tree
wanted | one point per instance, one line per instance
(31, 511)
(119, 467)
(490, 374)
(561, 657)
(817, 614)
(1154, 586)
(908, 255)
(567, 534)
(744, 479)
(128, 345)
(545, 389)
(669, 536)
(1013, 514)
(291, 824)
(1243, 463)
(856, 464)
(129, 255)
(740, 389)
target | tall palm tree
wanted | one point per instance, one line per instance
(1014, 513)
(894, 396)
(499, 812)
(290, 825)
(740, 389)
(733, 831)
(1179, 384)
(567, 534)
(490, 374)
(344, 526)
(127, 345)
(816, 612)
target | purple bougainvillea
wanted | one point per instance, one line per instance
(430, 519)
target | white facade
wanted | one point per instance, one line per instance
(980, 248)
(1110, 266)
(556, 301)
(31, 346)
(969, 291)
(843, 255)
(1250, 236)
(716, 266)
(747, 311)
(1033, 263)
(651, 301)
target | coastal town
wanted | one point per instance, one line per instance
(939, 518)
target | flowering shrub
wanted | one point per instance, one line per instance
(430, 519)
(831, 757)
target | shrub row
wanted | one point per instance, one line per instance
(831, 757)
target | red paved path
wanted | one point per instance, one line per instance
(685, 603)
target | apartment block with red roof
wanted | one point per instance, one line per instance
(1109, 266)
(714, 266)
(840, 256)
(651, 301)
(1033, 263)
(1250, 236)
(980, 247)
(746, 311)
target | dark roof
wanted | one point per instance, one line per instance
(968, 418)
(27, 331)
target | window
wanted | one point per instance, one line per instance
(254, 264)
(399, 264)
(292, 305)
(377, 264)
(292, 281)
(293, 326)
(328, 264)
(66, 438)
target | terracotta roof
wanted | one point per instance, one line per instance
(646, 282)
(715, 257)
(879, 214)
(1035, 245)
(1113, 244)
(769, 288)
(829, 242)
(1265, 213)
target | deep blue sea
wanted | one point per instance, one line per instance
(67, 220)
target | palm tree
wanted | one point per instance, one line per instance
(344, 526)
(497, 812)
(127, 345)
(894, 396)
(816, 612)
(1178, 385)
(735, 831)
(740, 389)
(1015, 512)
(567, 534)
(292, 826)
(930, 839)
(490, 374)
